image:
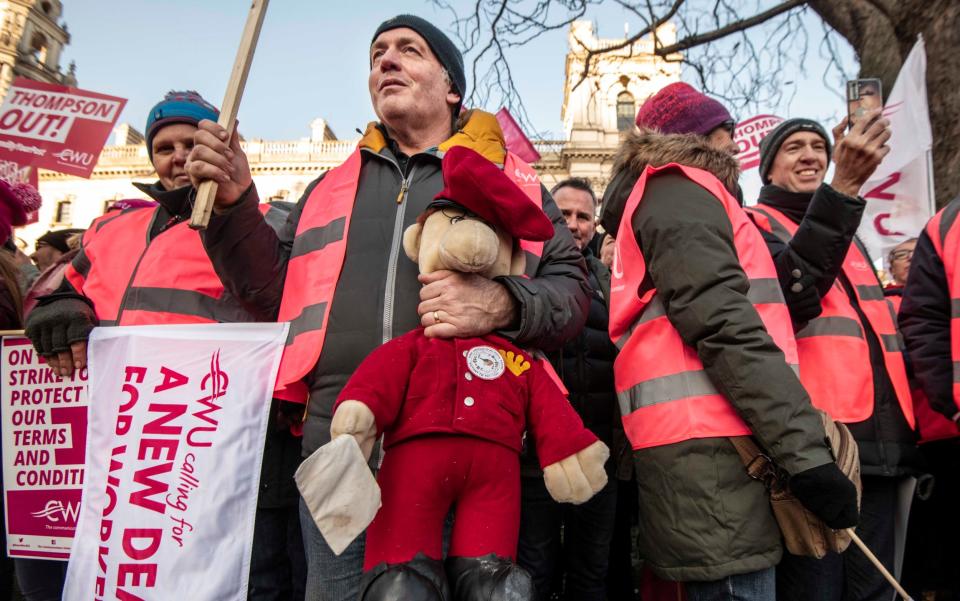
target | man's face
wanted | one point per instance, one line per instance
(801, 163)
(577, 208)
(171, 145)
(407, 83)
(45, 255)
(721, 139)
(900, 258)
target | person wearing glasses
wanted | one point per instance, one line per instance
(898, 262)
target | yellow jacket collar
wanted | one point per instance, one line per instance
(476, 129)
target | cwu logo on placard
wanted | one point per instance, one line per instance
(56, 511)
(70, 156)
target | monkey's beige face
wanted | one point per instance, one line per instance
(450, 238)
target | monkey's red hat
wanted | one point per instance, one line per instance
(479, 186)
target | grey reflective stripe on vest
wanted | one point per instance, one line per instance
(947, 219)
(762, 291)
(831, 326)
(81, 263)
(870, 292)
(185, 302)
(104, 222)
(956, 371)
(311, 318)
(317, 237)
(955, 308)
(277, 214)
(666, 388)
(892, 343)
(778, 230)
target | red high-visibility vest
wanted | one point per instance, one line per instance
(317, 258)
(665, 394)
(945, 236)
(168, 281)
(835, 363)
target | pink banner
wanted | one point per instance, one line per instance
(44, 422)
(517, 142)
(56, 127)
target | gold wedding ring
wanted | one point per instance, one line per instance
(436, 317)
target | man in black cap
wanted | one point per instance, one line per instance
(336, 271)
(850, 356)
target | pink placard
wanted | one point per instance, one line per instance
(44, 422)
(56, 127)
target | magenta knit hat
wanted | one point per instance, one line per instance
(16, 201)
(680, 109)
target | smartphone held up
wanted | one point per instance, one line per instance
(863, 96)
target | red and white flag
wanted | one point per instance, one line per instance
(899, 195)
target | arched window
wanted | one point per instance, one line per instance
(38, 47)
(626, 111)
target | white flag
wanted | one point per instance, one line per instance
(177, 421)
(900, 193)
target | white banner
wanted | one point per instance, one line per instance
(177, 421)
(899, 195)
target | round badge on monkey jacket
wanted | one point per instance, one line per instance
(485, 362)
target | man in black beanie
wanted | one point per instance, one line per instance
(51, 246)
(850, 357)
(337, 272)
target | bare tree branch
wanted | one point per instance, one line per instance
(742, 24)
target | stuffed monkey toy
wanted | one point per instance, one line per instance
(453, 413)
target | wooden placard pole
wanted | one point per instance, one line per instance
(231, 103)
(876, 562)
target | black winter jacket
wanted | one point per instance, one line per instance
(827, 223)
(925, 319)
(585, 365)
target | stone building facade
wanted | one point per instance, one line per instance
(595, 113)
(32, 37)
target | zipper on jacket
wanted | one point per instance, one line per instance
(390, 290)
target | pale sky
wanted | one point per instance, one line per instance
(312, 60)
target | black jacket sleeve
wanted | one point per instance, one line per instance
(687, 241)
(553, 304)
(822, 238)
(250, 256)
(925, 325)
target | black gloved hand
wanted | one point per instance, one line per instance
(802, 298)
(829, 494)
(54, 325)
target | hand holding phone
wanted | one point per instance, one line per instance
(858, 152)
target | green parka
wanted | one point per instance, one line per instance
(701, 516)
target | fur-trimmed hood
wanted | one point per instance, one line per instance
(643, 148)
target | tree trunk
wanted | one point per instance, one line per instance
(882, 32)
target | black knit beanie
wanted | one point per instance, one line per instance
(770, 145)
(58, 239)
(445, 50)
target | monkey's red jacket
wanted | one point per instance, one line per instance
(481, 387)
